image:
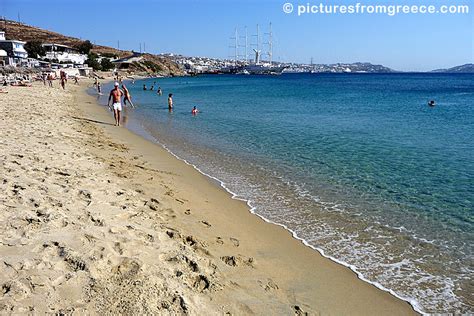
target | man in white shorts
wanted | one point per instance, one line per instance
(116, 94)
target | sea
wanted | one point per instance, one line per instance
(356, 166)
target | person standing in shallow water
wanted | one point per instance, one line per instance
(127, 96)
(116, 94)
(170, 102)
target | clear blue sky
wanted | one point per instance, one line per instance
(203, 28)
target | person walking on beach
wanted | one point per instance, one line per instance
(127, 96)
(99, 88)
(50, 80)
(170, 102)
(62, 75)
(116, 94)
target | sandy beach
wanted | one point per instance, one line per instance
(95, 219)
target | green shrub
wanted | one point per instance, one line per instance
(109, 55)
(34, 49)
(153, 66)
(106, 64)
(92, 61)
(85, 47)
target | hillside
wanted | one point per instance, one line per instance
(24, 32)
(467, 68)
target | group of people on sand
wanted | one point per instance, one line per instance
(116, 96)
(47, 79)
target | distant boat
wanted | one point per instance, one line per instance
(258, 67)
(243, 72)
(261, 69)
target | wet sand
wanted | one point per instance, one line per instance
(95, 219)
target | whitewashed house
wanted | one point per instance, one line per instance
(15, 51)
(64, 54)
(3, 57)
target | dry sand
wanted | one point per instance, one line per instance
(95, 219)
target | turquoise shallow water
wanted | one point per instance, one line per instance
(356, 165)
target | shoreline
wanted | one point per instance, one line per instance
(251, 209)
(413, 303)
(125, 215)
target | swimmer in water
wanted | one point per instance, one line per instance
(194, 111)
(144, 87)
(170, 102)
(431, 103)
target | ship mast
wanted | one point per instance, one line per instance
(270, 44)
(258, 38)
(235, 46)
(257, 50)
(246, 46)
(246, 56)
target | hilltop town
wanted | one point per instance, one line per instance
(32, 48)
(25, 48)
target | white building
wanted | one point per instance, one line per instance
(16, 54)
(3, 57)
(64, 54)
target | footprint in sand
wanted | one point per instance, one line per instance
(202, 283)
(172, 233)
(269, 285)
(298, 311)
(190, 241)
(95, 219)
(234, 241)
(219, 241)
(238, 260)
(72, 259)
(118, 248)
(205, 223)
(153, 204)
(189, 263)
(86, 196)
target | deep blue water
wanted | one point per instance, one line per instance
(357, 165)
